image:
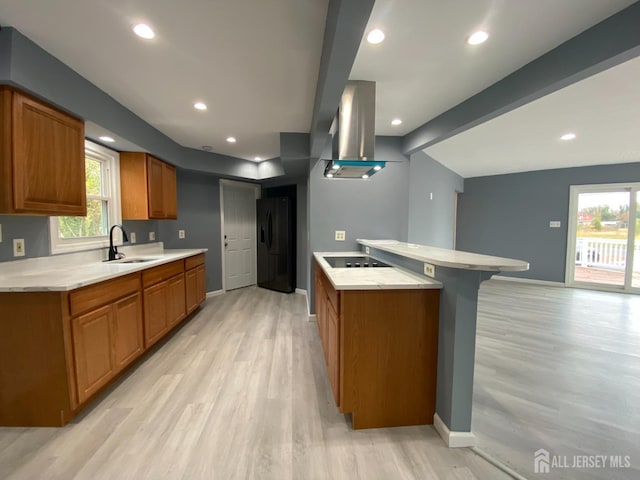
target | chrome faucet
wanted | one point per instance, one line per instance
(113, 251)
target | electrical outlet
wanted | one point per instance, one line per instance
(0, 233)
(340, 235)
(429, 270)
(132, 237)
(18, 247)
(152, 236)
(366, 250)
(554, 224)
(180, 233)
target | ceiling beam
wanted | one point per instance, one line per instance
(608, 43)
(344, 28)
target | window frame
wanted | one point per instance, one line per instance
(111, 165)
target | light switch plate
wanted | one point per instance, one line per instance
(0, 233)
(152, 236)
(132, 237)
(429, 270)
(366, 250)
(340, 235)
(18, 247)
(554, 224)
(180, 233)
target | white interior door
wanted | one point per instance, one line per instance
(238, 206)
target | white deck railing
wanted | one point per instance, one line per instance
(602, 252)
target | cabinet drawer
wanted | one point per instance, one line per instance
(88, 298)
(193, 262)
(162, 272)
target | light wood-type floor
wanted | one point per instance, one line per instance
(559, 369)
(239, 392)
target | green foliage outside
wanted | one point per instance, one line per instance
(95, 223)
(603, 213)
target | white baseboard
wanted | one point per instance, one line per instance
(532, 281)
(311, 317)
(215, 293)
(301, 291)
(453, 439)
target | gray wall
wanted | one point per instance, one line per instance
(373, 208)
(508, 215)
(199, 217)
(34, 230)
(432, 220)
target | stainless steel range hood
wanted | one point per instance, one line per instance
(353, 133)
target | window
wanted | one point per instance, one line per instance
(102, 167)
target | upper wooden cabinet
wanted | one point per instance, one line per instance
(41, 158)
(147, 187)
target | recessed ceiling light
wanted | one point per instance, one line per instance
(107, 139)
(329, 175)
(144, 31)
(568, 136)
(375, 36)
(396, 121)
(477, 38)
(365, 176)
(200, 106)
(377, 167)
(258, 159)
(231, 139)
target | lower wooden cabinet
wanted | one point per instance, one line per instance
(127, 331)
(155, 312)
(93, 350)
(380, 348)
(176, 300)
(58, 349)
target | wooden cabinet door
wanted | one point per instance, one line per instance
(155, 187)
(48, 160)
(201, 284)
(92, 335)
(169, 191)
(176, 305)
(191, 289)
(333, 351)
(155, 312)
(128, 331)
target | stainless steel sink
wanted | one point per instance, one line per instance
(132, 260)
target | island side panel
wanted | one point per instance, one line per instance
(388, 361)
(34, 388)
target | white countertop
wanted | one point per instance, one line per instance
(67, 272)
(393, 278)
(445, 257)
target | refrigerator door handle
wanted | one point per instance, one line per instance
(269, 230)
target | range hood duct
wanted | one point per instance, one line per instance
(353, 133)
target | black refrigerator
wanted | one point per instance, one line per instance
(276, 244)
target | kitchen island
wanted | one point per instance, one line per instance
(70, 325)
(460, 274)
(379, 333)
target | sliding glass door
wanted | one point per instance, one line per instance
(603, 240)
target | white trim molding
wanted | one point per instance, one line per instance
(301, 291)
(453, 439)
(546, 283)
(215, 293)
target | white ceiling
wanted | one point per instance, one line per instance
(425, 67)
(601, 110)
(255, 63)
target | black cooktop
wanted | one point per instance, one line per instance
(354, 262)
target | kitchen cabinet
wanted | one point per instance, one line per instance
(148, 187)
(164, 299)
(381, 350)
(42, 165)
(195, 282)
(58, 349)
(93, 350)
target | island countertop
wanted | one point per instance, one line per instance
(445, 257)
(391, 278)
(63, 274)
